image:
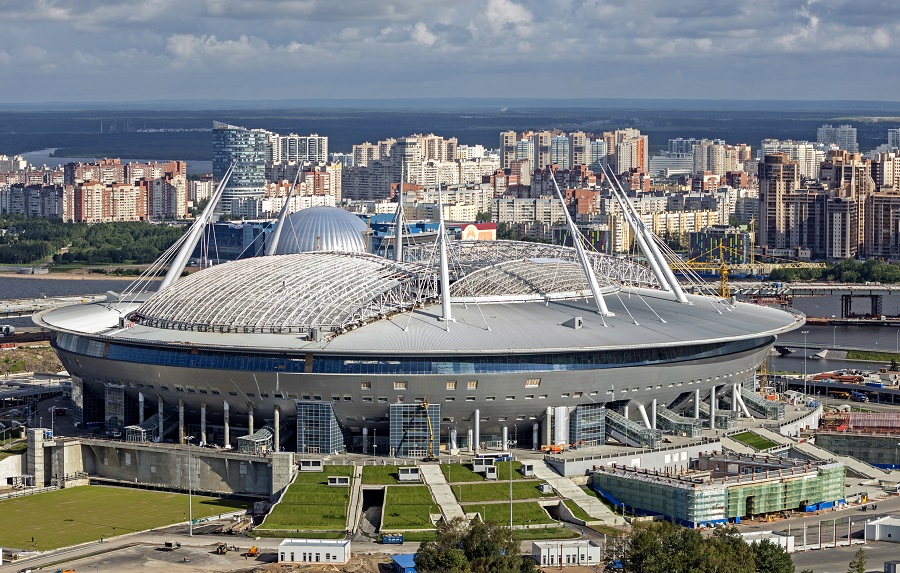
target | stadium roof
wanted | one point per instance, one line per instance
(322, 229)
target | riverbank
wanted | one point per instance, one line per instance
(77, 273)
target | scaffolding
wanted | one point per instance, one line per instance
(146, 432)
(587, 425)
(769, 409)
(410, 432)
(114, 418)
(318, 431)
(259, 442)
(679, 425)
(630, 433)
(887, 422)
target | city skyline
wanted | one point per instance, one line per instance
(352, 50)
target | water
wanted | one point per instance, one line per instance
(44, 157)
(11, 288)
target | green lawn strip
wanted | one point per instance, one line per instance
(753, 440)
(577, 511)
(497, 491)
(545, 533)
(283, 533)
(420, 536)
(380, 475)
(408, 507)
(590, 491)
(524, 512)
(503, 471)
(77, 515)
(872, 355)
(309, 503)
(458, 473)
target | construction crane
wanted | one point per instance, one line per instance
(429, 455)
(717, 265)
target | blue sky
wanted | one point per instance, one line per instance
(133, 50)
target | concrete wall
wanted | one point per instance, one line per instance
(672, 458)
(792, 429)
(12, 466)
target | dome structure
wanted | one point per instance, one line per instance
(322, 229)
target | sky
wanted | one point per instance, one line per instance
(139, 50)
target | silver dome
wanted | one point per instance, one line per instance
(322, 229)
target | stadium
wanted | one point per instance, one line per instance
(344, 347)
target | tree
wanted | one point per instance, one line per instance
(858, 565)
(771, 558)
(476, 548)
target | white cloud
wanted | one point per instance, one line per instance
(421, 35)
(506, 14)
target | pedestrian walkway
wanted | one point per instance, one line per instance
(354, 508)
(440, 489)
(736, 446)
(773, 436)
(567, 489)
(854, 466)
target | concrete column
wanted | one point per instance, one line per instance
(733, 397)
(625, 411)
(697, 404)
(365, 440)
(653, 414)
(159, 412)
(477, 445)
(644, 417)
(277, 424)
(453, 444)
(140, 407)
(181, 421)
(469, 437)
(203, 422)
(505, 439)
(227, 426)
(249, 418)
(535, 433)
(712, 408)
(548, 426)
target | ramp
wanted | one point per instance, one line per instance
(773, 436)
(854, 466)
(736, 447)
(566, 488)
(440, 489)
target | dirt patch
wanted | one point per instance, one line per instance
(30, 358)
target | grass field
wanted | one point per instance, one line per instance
(872, 355)
(458, 473)
(408, 507)
(577, 511)
(309, 503)
(497, 491)
(545, 533)
(14, 449)
(753, 440)
(524, 512)
(81, 514)
(380, 475)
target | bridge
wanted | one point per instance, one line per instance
(16, 308)
(769, 289)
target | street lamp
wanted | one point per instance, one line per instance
(190, 489)
(898, 341)
(515, 433)
(804, 333)
(374, 435)
(834, 337)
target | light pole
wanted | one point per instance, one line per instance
(898, 341)
(804, 333)
(374, 435)
(515, 433)
(190, 489)
(53, 414)
(834, 337)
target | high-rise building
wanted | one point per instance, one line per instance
(807, 155)
(843, 136)
(507, 148)
(560, 152)
(247, 149)
(579, 149)
(893, 136)
(778, 177)
(297, 148)
(541, 149)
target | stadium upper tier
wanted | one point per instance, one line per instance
(507, 298)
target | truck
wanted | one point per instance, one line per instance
(858, 396)
(253, 551)
(392, 539)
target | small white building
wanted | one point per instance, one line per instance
(567, 552)
(336, 551)
(883, 529)
(786, 542)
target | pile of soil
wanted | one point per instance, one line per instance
(30, 358)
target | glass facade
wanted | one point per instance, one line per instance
(411, 432)
(318, 431)
(247, 147)
(114, 417)
(402, 365)
(587, 425)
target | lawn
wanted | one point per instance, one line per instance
(14, 449)
(577, 511)
(457, 473)
(753, 440)
(81, 514)
(546, 533)
(309, 503)
(872, 355)
(408, 507)
(524, 513)
(497, 491)
(380, 475)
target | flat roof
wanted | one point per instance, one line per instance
(295, 542)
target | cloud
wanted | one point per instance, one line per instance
(506, 14)
(421, 35)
